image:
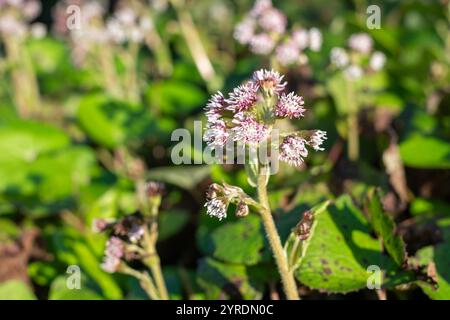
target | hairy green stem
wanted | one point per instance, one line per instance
(153, 262)
(144, 280)
(287, 277)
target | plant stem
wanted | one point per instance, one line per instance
(144, 280)
(353, 136)
(153, 261)
(287, 277)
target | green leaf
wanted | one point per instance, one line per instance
(112, 123)
(171, 222)
(238, 242)
(420, 206)
(176, 98)
(60, 291)
(425, 152)
(41, 272)
(16, 290)
(224, 281)
(339, 250)
(26, 140)
(72, 248)
(440, 256)
(385, 228)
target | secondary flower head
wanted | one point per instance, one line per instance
(247, 117)
(216, 208)
(264, 29)
(273, 20)
(243, 97)
(316, 140)
(339, 57)
(244, 31)
(269, 80)
(219, 198)
(360, 42)
(315, 39)
(293, 150)
(354, 72)
(288, 53)
(290, 106)
(155, 189)
(358, 59)
(262, 43)
(114, 251)
(377, 61)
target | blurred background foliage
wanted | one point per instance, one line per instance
(72, 157)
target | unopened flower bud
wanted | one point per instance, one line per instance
(242, 209)
(100, 225)
(154, 189)
(303, 228)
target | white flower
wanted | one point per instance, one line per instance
(110, 264)
(273, 20)
(377, 61)
(316, 140)
(293, 150)
(146, 24)
(115, 249)
(339, 57)
(315, 39)
(287, 53)
(301, 38)
(262, 44)
(126, 16)
(31, 9)
(269, 80)
(215, 107)
(360, 42)
(244, 31)
(115, 31)
(260, 6)
(290, 106)
(216, 207)
(353, 72)
(38, 30)
(135, 34)
(10, 25)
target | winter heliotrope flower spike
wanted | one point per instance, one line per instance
(247, 117)
(249, 113)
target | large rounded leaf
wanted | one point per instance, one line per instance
(112, 123)
(425, 152)
(340, 250)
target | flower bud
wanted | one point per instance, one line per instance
(242, 209)
(303, 228)
(155, 189)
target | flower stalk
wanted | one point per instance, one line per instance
(287, 277)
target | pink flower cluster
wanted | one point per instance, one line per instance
(114, 251)
(263, 29)
(95, 28)
(244, 117)
(15, 16)
(353, 60)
